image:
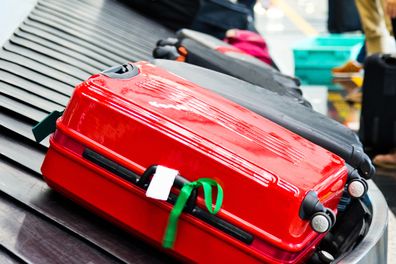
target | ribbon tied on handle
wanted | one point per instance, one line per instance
(185, 192)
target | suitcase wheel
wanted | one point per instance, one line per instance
(321, 222)
(124, 71)
(321, 257)
(312, 209)
(325, 256)
(357, 188)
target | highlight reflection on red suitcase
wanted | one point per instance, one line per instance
(278, 187)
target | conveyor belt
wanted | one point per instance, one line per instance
(61, 43)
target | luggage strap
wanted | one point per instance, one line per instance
(185, 192)
(46, 126)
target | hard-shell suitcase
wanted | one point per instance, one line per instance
(208, 52)
(378, 118)
(306, 122)
(280, 190)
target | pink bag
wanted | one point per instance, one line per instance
(249, 42)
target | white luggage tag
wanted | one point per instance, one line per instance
(161, 183)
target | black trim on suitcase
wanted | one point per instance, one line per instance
(191, 208)
(124, 71)
(283, 110)
(110, 166)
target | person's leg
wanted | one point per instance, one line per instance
(362, 54)
(394, 27)
(373, 23)
(387, 19)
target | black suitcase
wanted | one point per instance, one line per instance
(378, 117)
(202, 51)
(284, 111)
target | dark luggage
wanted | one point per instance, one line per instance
(175, 14)
(378, 118)
(137, 125)
(282, 110)
(208, 52)
(343, 16)
(215, 17)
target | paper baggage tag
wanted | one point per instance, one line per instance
(161, 183)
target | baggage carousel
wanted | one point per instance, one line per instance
(60, 44)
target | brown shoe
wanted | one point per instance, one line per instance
(386, 160)
(349, 69)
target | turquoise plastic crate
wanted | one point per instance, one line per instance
(314, 75)
(321, 77)
(315, 57)
(325, 51)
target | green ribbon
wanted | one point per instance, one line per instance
(46, 126)
(185, 192)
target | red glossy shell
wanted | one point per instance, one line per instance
(157, 117)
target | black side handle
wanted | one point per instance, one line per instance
(110, 166)
(179, 183)
(191, 208)
(223, 225)
(389, 59)
(143, 182)
(124, 71)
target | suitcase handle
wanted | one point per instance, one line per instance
(124, 71)
(145, 179)
(390, 59)
(196, 211)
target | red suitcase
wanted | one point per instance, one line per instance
(278, 187)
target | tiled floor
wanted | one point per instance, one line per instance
(287, 22)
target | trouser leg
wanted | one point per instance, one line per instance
(373, 23)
